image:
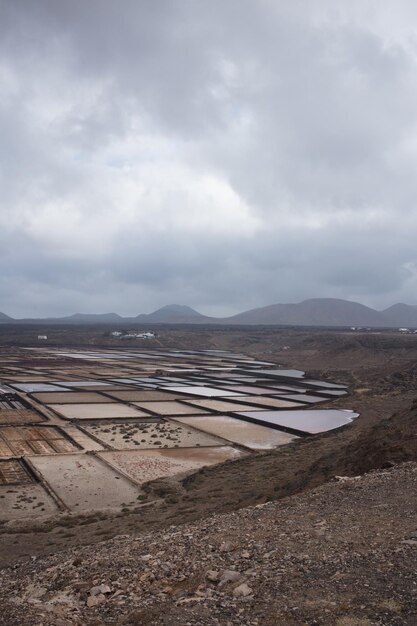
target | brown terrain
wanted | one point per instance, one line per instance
(321, 531)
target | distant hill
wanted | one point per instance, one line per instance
(5, 318)
(400, 315)
(173, 314)
(314, 312)
(90, 318)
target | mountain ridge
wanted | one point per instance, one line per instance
(327, 312)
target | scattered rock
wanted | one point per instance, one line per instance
(213, 576)
(229, 576)
(242, 591)
(93, 601)
(277, 571)
(226, 546)
(99, 589)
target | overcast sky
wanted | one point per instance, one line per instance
(224, 154)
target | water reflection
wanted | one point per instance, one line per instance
(311, 421)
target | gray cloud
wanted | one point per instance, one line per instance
(224, 155)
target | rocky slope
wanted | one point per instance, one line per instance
(342, 554)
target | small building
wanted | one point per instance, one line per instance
(42, 337)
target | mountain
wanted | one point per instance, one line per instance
(173, 314)
(90, 318)
(314, 312)
(5, 318)
(400, 315)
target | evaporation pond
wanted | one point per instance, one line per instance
(14, 417)
(84, 482)
(278, 372)
(23, 501)
(85, 383)
(23, 440)
(158, 434)
(276, 402)
(238, 431)
(326, 385)
(224, 406)
(96, 411)
(144, 465)
(13, 472)
(169, 408)
(209, 392)
(307, 421)
(34, 387)
(135, 395)
(71, 397)
(304, 397)
(253, 390)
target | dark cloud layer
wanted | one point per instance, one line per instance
(222, 154)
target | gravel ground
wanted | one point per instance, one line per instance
(343, 554)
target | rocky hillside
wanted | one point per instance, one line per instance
(341, 555)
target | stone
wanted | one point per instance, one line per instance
(213, 576)
(242, 591)
(226, 546)
(229, 576)
(99, 589)
(92, 601)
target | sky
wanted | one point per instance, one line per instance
(225, 154)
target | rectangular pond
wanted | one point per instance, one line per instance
(209, 392)
(145, 465)
(156, 434)
(239, 431)
(26, 440)
(71, 397)
(85, 483)
(169, 408)
(309, 421)
(96, 411)
(143, 395)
